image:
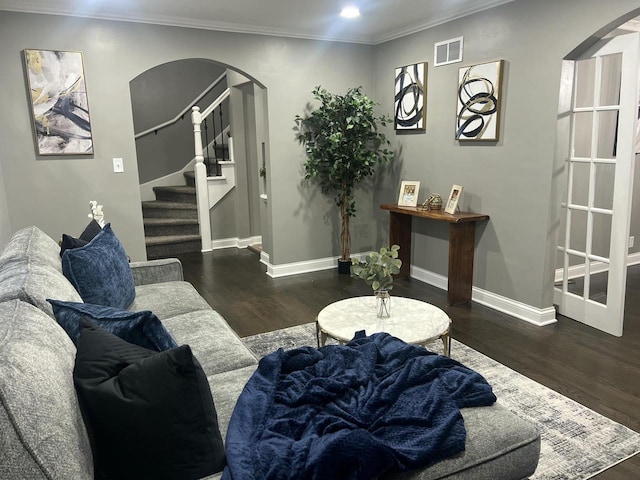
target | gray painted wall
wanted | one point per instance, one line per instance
(160, 93)
(5, 225)
(512, 179)
(157, 96)
(54, 194)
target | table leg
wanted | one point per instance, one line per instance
(446, 344)
(400, 234)
(461, 250)
(321, 337)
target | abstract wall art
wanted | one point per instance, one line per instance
(59, 104)
(410, 112)
(478, 103)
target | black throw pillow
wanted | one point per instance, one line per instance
(90, 231)
(148, 414)
(88, 234)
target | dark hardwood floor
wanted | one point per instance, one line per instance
(597, 370)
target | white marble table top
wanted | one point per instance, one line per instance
(411, 320)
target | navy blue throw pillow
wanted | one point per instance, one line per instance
(140, 328)
(148, 414)
(100, 271)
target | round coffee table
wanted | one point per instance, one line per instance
(411, 320)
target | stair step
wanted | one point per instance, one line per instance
(163, 209)
(177, 193)
(172, 245)
(158, 227)
(170, 239)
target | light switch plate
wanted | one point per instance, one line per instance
(118, 165)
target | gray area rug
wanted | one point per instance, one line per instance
(577, 443)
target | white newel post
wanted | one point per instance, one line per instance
(202, 192)
(230, 145)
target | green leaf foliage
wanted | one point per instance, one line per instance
(378, 268)
(342, 143)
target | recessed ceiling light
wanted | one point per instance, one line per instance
(350, 12)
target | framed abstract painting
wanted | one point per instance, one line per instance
(59, 103)
(410, 109)
(478, 102)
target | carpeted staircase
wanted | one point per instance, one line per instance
(171, 220)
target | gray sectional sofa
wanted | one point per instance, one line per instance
(42, 434)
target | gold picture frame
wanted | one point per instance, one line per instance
(479, 98)
(410, 97)
(59, 103)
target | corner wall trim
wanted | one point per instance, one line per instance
(537, 316)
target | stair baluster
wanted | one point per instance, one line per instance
(215, 143)
(221, 133)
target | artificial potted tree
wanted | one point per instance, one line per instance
(343, 146)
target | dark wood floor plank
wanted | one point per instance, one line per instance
(597, 370)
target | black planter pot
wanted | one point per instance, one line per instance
(344, 266)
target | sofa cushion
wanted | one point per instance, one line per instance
(226, 388)
(161, 400)
(140, 328)
(100, 271)
(42, 434)
(88, 234)
(32, 282)
(168, 299)
(33, 243)
(499, 445)
(217, 347)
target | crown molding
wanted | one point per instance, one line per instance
(434, 22)
(195, 23)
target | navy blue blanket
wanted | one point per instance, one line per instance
(373, 406)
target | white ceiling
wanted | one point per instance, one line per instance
(380, 20)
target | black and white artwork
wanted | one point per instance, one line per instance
(478, 103)
(59, 103)
(410, 97)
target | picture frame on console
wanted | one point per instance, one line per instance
(409, 194)
(454, 198)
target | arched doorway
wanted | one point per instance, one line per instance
(236, 135)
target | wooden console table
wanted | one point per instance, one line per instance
(462, 231)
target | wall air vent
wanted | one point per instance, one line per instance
(448, 51)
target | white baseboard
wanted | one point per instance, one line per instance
(536, 316)
(296, 268)
(235, 242)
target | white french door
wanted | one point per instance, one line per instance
(596, 212)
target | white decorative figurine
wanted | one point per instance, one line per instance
(96, 212)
